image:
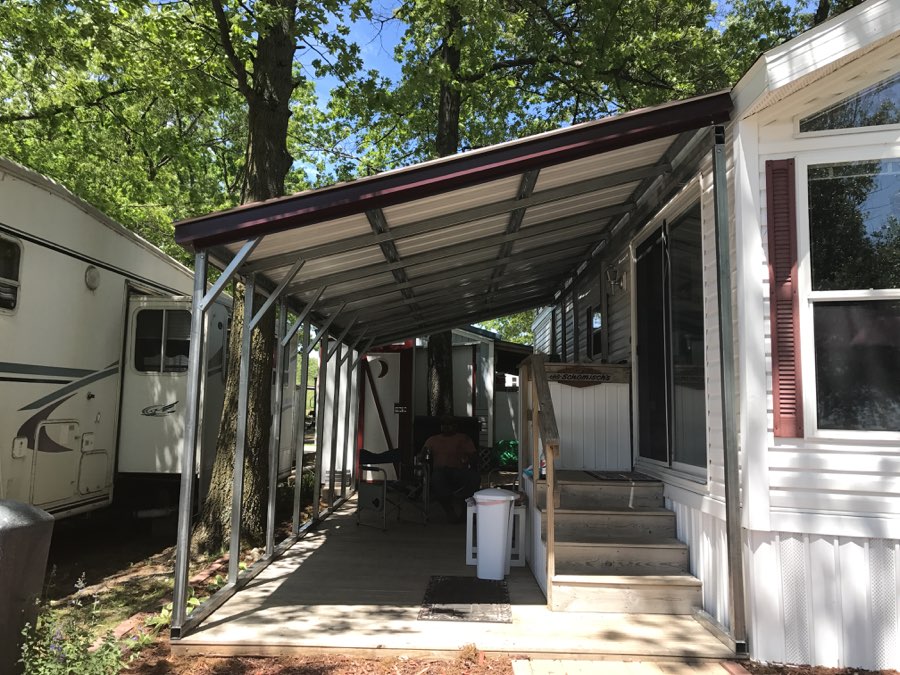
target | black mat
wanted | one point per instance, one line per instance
(466, 599)
(633, 476)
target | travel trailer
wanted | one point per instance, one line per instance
(94, 336)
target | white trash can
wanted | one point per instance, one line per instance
(493, 511)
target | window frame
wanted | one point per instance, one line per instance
(16, 283)
(809, 298)
(163, 339)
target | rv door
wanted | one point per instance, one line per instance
(154, 386)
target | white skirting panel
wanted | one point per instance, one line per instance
(536, 551)
(705, 536)
(830, 601)
(595, 426)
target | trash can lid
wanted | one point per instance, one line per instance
(494, 495)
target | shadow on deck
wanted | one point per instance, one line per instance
(358, 590)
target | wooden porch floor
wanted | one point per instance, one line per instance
(358, 590)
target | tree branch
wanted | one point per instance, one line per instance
(53, 111)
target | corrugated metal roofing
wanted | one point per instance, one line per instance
(466, 238)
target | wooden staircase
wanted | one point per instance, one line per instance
(615, 548)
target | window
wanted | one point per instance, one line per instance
(162, 340)
(875, 106)
(854, 241)
(10, 260)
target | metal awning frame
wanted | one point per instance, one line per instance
(463, 291)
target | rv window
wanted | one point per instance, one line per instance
(10, 257)
(152, 353)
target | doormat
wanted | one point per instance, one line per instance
(466, 599)
(631, 476)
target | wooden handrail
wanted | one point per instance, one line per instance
(547, 419)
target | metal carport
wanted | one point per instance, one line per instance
(405, 253)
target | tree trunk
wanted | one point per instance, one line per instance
(268, 159)
(440, 345)
(214, 529)
(450, 96)
(268, 96)
(440, 374)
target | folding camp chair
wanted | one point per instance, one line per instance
(376, 491)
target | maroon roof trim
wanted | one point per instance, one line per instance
(459, 171)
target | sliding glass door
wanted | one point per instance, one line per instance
(670, 354)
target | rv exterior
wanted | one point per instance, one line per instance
(94, 337)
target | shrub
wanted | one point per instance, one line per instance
(65, 642)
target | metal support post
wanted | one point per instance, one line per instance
(189, 452)
(234, 552)
(335, 418)
(320, 421)
(300, 430)
(729, 396)
(349, 358)
(275, 434)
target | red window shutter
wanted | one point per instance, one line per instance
(781, 205)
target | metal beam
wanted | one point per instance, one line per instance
(529, 180)
(277, 292)
(302, 317)
(531, 256)
(349, 398)
(473, 287)
(324, 329)
(461, 217)
(335, 418)
(320, 424)
(729, 393)
(275, 431)
(485, 300)
(216, 290)
(573, 225)
(300, 430)
(353, 344)
(451, 322)
(189, 450)
(343, 334)
(652, 192)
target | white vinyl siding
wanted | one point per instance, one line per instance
(594, 426)
(831, 601)
(829, 483)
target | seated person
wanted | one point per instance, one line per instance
(454, 476)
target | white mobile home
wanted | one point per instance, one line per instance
(813, 170)
(94, 333)
(721, 431)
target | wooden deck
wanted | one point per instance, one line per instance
(358, 590)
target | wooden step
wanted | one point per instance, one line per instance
(596, 525)
(636, 556)
(627, 594)
(605, 494)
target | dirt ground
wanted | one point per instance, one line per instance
(158, 661)
(128, 565)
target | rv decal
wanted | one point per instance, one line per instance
(31, 425)
(74, 386)
(159, 410)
